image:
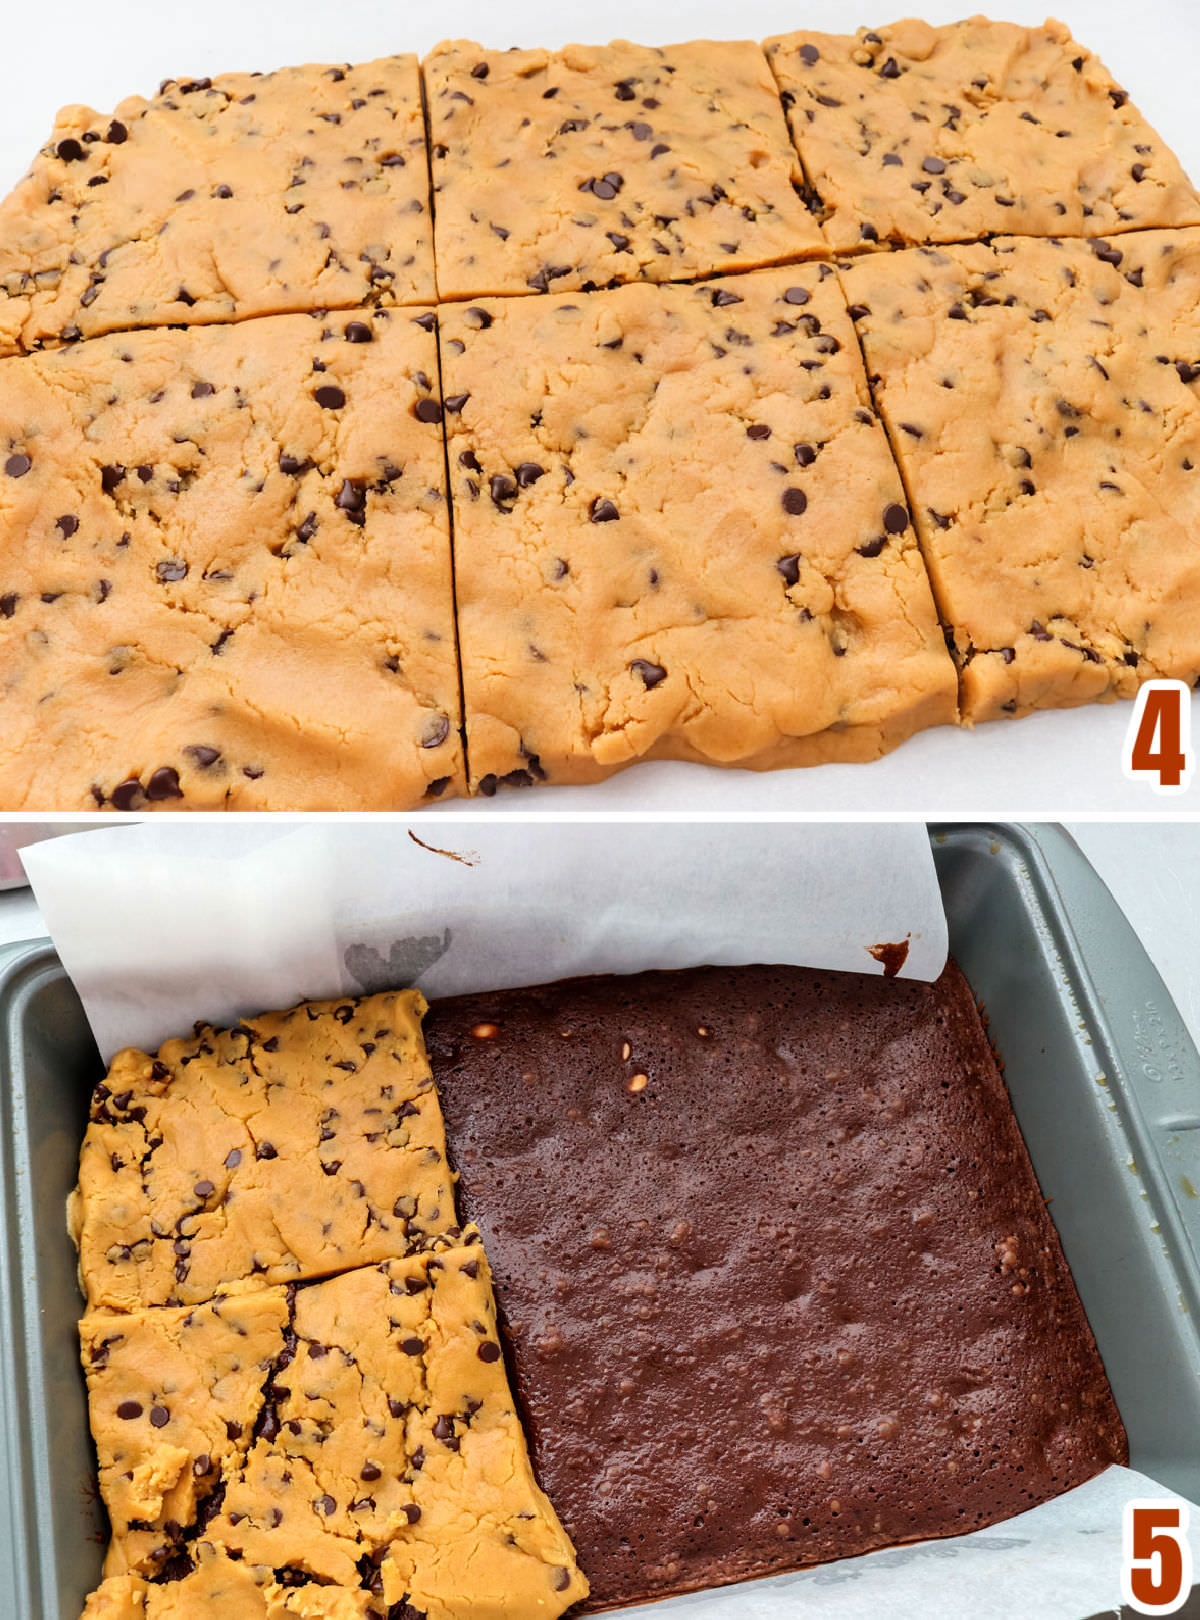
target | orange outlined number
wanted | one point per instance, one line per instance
(1158, 743)
(1156, 1569)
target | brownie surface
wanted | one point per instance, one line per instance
(777, 1283)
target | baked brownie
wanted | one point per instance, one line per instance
(679, 533)
(600, 164)
(294, 1145)
(920, 134)
(247, 194)
(776, 1278)
(382, 1459)
(225, 576)
(1043, 399)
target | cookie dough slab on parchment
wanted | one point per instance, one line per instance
(217, 199)
(915, 134)
(1043, 397)
(679, 533)
(600, 164)
(225, 576)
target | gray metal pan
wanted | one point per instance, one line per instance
(1104, 1079)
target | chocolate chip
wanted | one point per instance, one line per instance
(70, 151)
(304, 534)
(329, 397)
(809, 54)
(369, 1471)
(895, 518)
(292, 464)
(789, 567)
(203, 755)
(480, 70)
(488, 1351)
(201, 390)
(721, 298)
(889, 70)
(128, 1410)
(758, 430)
(358, 332)
(650, 673)
(528, 473)
(116, 133)
(171, 569)
(437, 729)
(351, 499)
(795, 501)
(603, 510)
(412, 1347)
(412, 1512)
(426, 320)
(125, 793)
(872, 548)
(233, 1158)
(502, 488)
(427, 410)
(266, 1150)
(933, 165)
(8, 604)
(164, 784)
(18, 465)
(1106, 252)
(796, 295)
(67, 526)
(892, 160)
(805, 455)
(325, 1505)
(159, 1416)
(204, 1189)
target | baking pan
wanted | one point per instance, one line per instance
(1104, 1079)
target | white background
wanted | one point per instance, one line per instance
(96, 52)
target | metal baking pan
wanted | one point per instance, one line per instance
(1104, 1079)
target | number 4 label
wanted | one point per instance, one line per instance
(1158, 744)
(1156, 1569)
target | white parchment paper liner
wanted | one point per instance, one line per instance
(159, 926)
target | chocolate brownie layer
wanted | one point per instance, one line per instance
(776, 1278)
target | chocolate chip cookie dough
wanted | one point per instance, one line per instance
(386, 1459)
(294, 1145)
(601, 164)
(920, 134)
(679, 533)
(795, 1294)
(174, 1395)
(1044, 400)
(248, 194)
(225, 576)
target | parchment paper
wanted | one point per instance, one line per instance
(161, 926)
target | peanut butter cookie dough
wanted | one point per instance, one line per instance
(387, 1460)
(225, 575)
(1044, 400)
(248, 194)
(294, 1145)
(601, 164)
(679, 533)
(920, 134)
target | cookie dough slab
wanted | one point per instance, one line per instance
(601, 164)
(796, 1296)
(679, 533)
(387, 1465)
(173, 1396)
(225, 576)
(292, 1146)
(247, 194)
(918, 134)
(1044, 400)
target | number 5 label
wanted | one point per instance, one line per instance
(1158, 744)
(1156, 1569)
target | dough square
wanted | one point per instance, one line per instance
(679, 533)
(225, 574)
(385, 1457)
(600, 164)
(796, 1296)
(247, 194)
(294, 1145)
(1043, 397)
(914, 134)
